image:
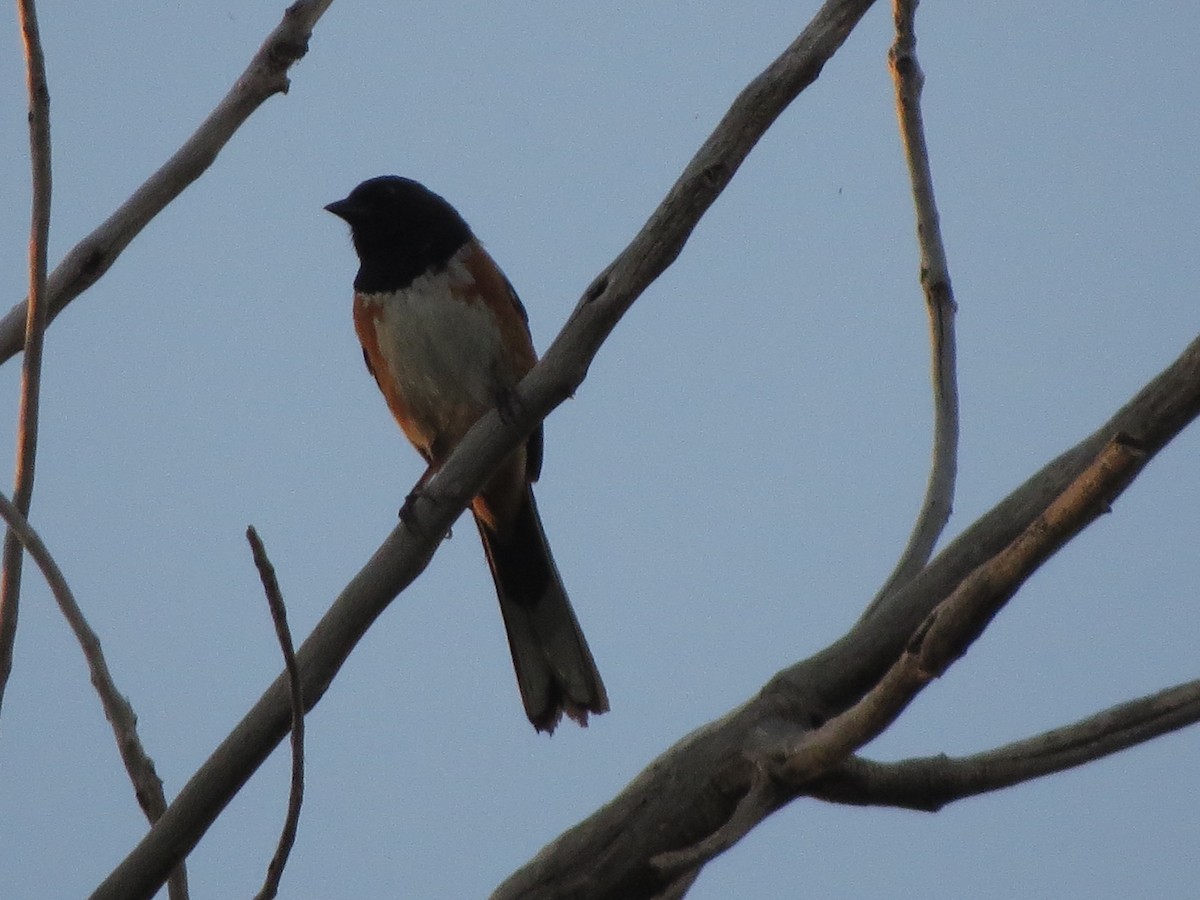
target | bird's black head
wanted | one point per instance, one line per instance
(401, 230)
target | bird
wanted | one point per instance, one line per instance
(447, 339)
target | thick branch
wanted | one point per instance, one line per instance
(692, 793)
(956, 622)
(32, 318)
(406, 551)
(91, 257)
(939, 302)
(943, 637)
(694, 788)
(929, 783)
(759, 801)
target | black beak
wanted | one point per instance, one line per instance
(343, 209)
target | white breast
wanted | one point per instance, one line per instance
(443, 355)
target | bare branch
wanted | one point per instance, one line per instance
(956, 622)
(929, 783)
(266, 572)
(909, 81)
(694, 787)
(146, 783)
(33, 316)
(91, 257)
(942, 638)
(406, 551)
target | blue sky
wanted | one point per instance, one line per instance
(725, 492)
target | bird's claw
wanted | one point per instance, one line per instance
(509, 405)
(408, 514)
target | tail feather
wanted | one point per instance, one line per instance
(555, 670)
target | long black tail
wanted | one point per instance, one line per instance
(555, 670)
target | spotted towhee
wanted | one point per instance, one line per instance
(446, 338)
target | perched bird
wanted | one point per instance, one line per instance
(446, 338)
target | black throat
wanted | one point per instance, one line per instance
(390, 260)
(403, 237)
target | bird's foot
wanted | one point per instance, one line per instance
(408, 513)
(509, 405)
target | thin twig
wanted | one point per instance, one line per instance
(909, 81)
(266, 572)
(91, 257)
(34, 326)
(147, 785)
(957, 621)
(930, 783)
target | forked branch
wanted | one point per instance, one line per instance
(941, 639)
(930, 783)
(957, 621)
